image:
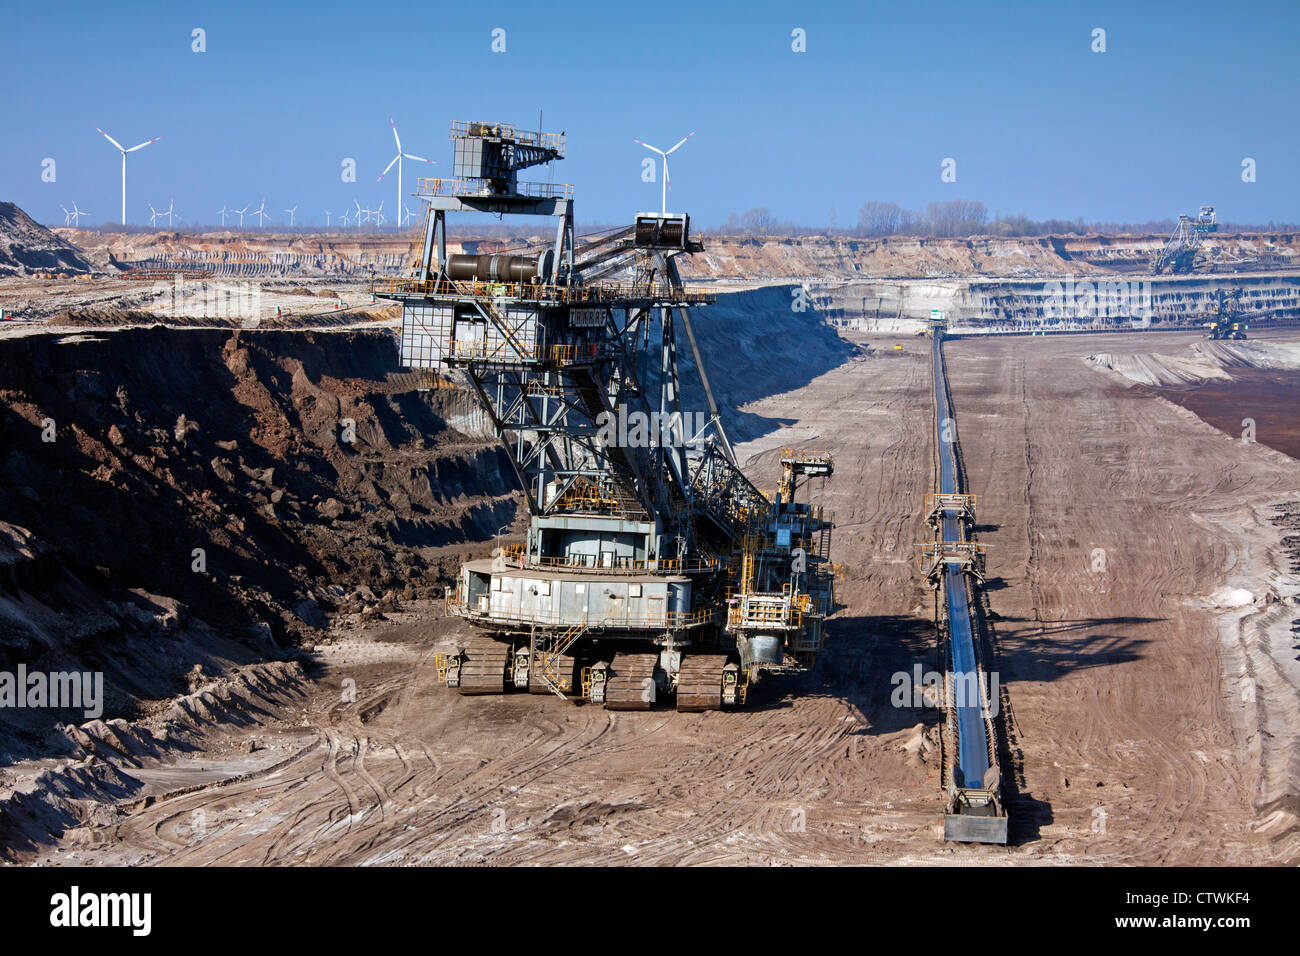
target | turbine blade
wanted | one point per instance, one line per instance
(683, 140)
(655, 149)
(109, 138)
(388, 167)
(143, 145)
(398, 141)
(419, 159)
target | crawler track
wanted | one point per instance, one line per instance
(484, 668)
(699, 682)
(631, 684)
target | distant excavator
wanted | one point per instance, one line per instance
(1179, 254)
(1227, 323)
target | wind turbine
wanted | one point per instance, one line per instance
(260, 213)
(667, 183)
(124, 151)
(398, 160)
(222, 213)
(408, 214)
(328, 214)
(379, 214)
(291, 214)
(346, 216)
(171, 204)
(357, 220)
(67, 216)
(240, 213)
(153, 214)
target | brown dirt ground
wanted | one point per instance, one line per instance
(1130, 743)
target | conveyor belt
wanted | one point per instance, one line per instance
(972, 758)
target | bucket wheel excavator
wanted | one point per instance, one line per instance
(654, 571)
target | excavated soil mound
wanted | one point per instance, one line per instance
(211, 497)
(27, 247)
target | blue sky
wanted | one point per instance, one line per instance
(1036, 121)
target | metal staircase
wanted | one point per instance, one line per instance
(550, 647)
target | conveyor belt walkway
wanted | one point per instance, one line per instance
(971, 764)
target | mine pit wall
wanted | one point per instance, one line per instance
(756, 343)
(1052, 303)
(288, 265)
(165, 441)
(337, 254)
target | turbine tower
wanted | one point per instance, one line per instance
(124, 151)
(260, 213)
(222, 213)
(291, 213)
(153, 215)
(398, 160)
(667, 182)
(240, 213)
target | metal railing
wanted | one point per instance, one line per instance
(805, 455)
(667, 620)
(951, 501)
(471, 350)
(550, 651)
(783, 610)
(612, 294)
(930, 553)
(482, 189)
(516, 556)
(478, 130)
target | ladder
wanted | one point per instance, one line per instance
(750, 545)
(549, 649)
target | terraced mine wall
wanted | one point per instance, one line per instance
(1058, 303)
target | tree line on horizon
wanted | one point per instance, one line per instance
(954, 218)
